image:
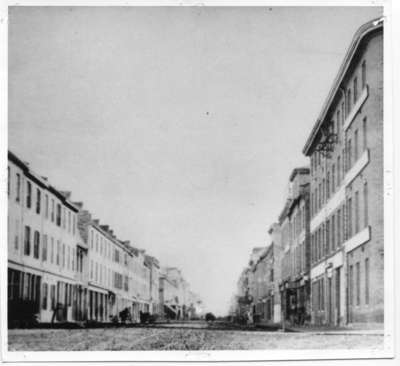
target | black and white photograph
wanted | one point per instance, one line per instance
(197, 178)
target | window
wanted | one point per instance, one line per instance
(73, 224)
(344, 233)
(355, 145)
(36, 244)
(349, 220)
(358, 283)
(312, 163)
(73, 259)
(126, 286)
(53, 296)
(365, 134)
(96, 272)
(337, 124)
(68, 257)
(343, 113)
(16, 237)
(363, 75)
(351, 285)
(97, 243)
(355, 91)
(338, 171)
(44, 248)
(28, 194)
(52, 210)
(64, 215)
(52, 250)
(333, 178)
(69, 221)
(343, 171)
(312, 204)
(58, 217)
(63, 255)
(321, 194)
(46, 208)
(327, 237)
(18, 193)
(338, 228)
(44, 296)
(91, 269)
(365, 204)
(27, 241)
(349, 154)
(38, 199)
(366, 281)
(58, 253)
(356, 213)
(117, 280)
(328, 188)
(322, 295)
(333, 245)
(348, 102)
(116, 255)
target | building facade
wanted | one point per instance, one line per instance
(46, 255)
(64, 266)
(345, 148)
(263, 295)
(295, 263)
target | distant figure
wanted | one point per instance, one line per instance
(210, 317)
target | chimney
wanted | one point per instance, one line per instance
(105, 227)
(96, 221)
(66, 194)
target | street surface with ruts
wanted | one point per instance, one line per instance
(187, 336)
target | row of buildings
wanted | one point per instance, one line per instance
(65, 266)
(324, 265)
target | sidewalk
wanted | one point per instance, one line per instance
(356, 329)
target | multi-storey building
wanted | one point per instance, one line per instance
(263, 273)
(64, 266)
(141, 277)
(171, 307)
(346, 151)
(154, 267)
(174, 294)
(46, 255)
(108, 269)
(276, 254)
(295, 266)
(243, 297)
(195, 306)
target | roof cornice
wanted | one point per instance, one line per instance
(359, 36)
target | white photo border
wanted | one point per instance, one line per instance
(391, 189)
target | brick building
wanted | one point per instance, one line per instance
(346, 153)
(295, 264)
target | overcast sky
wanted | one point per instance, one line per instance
(178, 127)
